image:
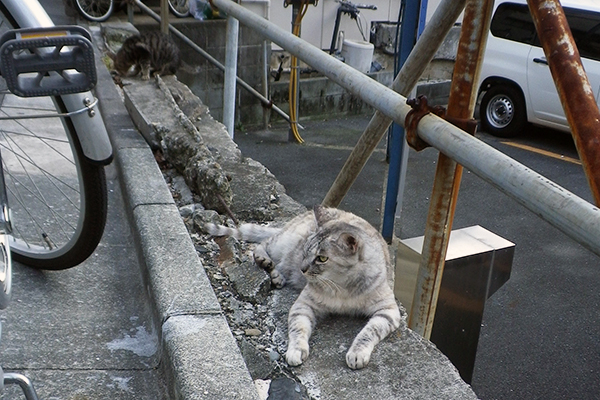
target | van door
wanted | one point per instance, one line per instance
(585, 27)
(592, 69)
(545, 102)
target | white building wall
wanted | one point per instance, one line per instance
(318, 23)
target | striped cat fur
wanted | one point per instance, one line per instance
(150, 53)
(340, 262)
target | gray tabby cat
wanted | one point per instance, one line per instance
(150, 53)
(341, 263)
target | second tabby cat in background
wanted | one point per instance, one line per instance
(150, 53)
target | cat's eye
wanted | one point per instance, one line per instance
(322, 259)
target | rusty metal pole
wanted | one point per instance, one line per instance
(574, 89)
(461, 105)
(435, 31)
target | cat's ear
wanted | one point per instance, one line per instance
(349, 243)
(322, 214)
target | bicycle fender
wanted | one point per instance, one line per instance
(89, 127)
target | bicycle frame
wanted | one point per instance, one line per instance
(96, 147)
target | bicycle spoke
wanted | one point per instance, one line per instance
(24, 172)
(37, 194)
(38, 167)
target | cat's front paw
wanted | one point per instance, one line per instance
(277, 279)
(263, 262)
(295, 355)
(358, 359)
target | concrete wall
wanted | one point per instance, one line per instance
(320, 97)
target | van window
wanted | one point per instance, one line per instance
(513, 22)
(585, 27)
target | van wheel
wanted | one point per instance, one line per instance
(502, 111)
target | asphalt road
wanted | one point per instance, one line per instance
(539, 338)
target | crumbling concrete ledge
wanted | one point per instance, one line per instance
(200, 357)
(403, 366)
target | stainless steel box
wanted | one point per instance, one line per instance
(478, 263)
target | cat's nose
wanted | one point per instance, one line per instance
(304, 268)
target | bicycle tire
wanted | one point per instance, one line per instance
(5, 256)
(82, 184)
(5, 271)
(180, 8)
(57, 222)
(95, 10)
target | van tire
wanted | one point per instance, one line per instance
(502, 111)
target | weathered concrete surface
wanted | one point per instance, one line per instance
(211, 163)
(403, 366)
(257, 195)
(180, 142)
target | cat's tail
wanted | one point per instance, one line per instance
(247, 232)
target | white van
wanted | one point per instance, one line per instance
(515, 79)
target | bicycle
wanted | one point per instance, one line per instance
(51, 174)
(54, 173)
(101, 10)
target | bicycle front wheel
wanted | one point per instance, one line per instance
(95, 10)
(180, 8)
(57, 197)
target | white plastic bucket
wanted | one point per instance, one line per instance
(358, 54)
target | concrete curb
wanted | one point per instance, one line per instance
(200, 357)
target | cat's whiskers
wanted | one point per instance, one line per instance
(326, 282)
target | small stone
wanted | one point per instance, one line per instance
(252, 332)
(186, 211)
(202, 249)
(202, 217)
(274, 356)
(262, 387)
(250, 282)
(284, 388)
(182, 188)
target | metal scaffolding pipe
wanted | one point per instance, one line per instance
(265, 101)
(461, 105)
(430, 40)
(231, 52)
(569, 213)
(164, 17)
(572, 84)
